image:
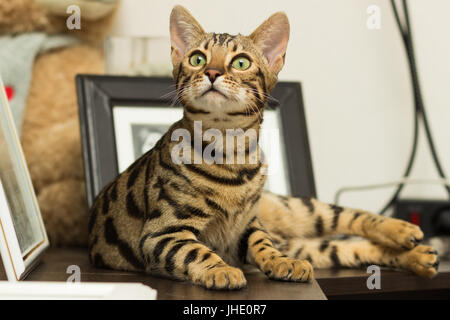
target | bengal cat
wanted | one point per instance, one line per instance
(201, 221)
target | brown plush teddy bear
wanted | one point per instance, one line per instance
(48, 124)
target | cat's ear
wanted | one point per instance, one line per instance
(272, 38)
(184, 30)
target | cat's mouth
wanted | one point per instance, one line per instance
(213, 91)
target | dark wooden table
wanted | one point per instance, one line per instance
(352, 283)
(55, 262)
(331, 284)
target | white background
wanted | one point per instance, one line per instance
(355, 82)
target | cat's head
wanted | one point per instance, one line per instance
(221, 72)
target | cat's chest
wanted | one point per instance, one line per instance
(224, 232)
(223, 235)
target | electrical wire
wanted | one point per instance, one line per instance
(420, 99)
(339, 193)
(412, 156)
(419, 109)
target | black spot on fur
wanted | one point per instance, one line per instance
(336, 213)
(134, 173)
(206, 256)
(113, 193)
(215, 206)
(154, 214)
(334, 257)
(105, 207)
(240, 180)
(193, 110)
(195, 211)
(170, 264)
(175, 229)
(243, 241)
(298, 252)
(159, 248)
(98, 261)
(112, 238)
(111, 235)
(324, 245)
(308, 203)
(172, 169)
(132, 207)
(257, 242)
(284, 200)
(355, 216)
(92, 217)
(319, 226)
(191, 257)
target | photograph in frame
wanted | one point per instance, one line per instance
(23, 235)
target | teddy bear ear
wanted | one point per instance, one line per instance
(184, 30)
(271, 37)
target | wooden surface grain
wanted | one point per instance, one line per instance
(340, 282)
(56, 261)
(332, 284)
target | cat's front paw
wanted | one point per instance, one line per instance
(398, 234)
(422, 260)
(222, 277)
(287, 269)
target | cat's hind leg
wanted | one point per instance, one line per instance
(290, 217)
(327, 253)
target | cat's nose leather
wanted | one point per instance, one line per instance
(213, 74)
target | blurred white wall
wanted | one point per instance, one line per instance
(355, 81)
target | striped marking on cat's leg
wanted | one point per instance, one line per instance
(307, 217)
(325, 253)
(256, 248)
(176, 252)
(390, 232)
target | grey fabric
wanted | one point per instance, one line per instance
(17, 55)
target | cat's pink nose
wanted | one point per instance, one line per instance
(213, 74)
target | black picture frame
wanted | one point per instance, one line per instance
(98, 94)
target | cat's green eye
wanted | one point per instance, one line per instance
(198, 60)
(241, 63)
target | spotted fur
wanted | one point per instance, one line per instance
(201, 222)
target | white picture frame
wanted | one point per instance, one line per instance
(22, 232)
(157, 120)
(41, 290)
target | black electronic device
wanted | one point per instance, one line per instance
(433, 216)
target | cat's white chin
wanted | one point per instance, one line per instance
(212, 100)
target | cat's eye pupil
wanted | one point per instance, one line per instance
(241, 63)
(197, 60)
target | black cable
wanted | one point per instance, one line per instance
(412, 156)
(419, 110)
(420, 100)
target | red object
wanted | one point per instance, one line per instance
(414, 218)
(9, 92)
